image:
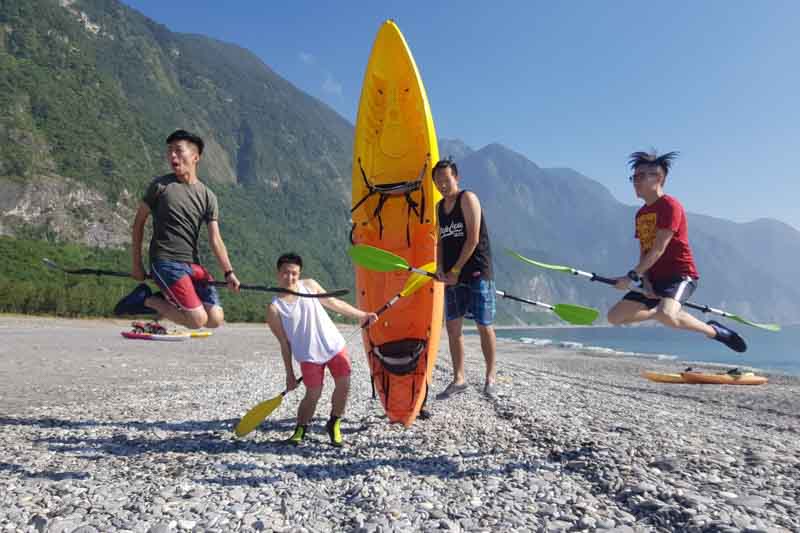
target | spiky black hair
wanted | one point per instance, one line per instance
(664, 161)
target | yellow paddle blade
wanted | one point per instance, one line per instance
(253, 418)
(416, 281)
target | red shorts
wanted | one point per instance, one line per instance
(186, 285)
(313, 373)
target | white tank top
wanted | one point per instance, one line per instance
(310, 331)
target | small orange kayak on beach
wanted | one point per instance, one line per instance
(660, 377)
(725, 378)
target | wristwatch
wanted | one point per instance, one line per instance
(634, 276)
(228, 273)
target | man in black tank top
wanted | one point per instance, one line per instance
(464, 260)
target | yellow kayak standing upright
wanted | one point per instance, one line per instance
(394, 208)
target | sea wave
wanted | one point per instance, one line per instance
(594, 350)
(535, 341)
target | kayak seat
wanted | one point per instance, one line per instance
(400, 357)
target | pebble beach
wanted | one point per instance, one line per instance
(99, 433)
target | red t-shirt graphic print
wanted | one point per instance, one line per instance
(677, 260)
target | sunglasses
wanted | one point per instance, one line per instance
(638, 178)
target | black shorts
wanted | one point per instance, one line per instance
(680, 289)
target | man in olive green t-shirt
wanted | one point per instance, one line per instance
(180, 203)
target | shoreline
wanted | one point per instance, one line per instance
(592, 351)
(603, 347)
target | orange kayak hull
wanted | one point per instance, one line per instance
(660, 377)
(723, 379)
(395, 143)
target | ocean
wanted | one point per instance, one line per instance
(766, 350)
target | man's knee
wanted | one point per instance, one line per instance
(667, 317)
(196, 319)
(485, 329)
(342, 383)
(454, 328)
(668, 312)
(216, 317)
(313, 393)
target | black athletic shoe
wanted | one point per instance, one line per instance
(728, 337)
(133, 304)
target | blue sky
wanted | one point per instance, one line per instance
(578, 83)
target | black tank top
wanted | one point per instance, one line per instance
(453, 235)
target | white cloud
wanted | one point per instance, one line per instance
(332, 86)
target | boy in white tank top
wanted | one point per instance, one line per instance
(307, 334)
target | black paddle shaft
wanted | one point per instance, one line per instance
(285, 392)
(261, 288)
(518, 299)
(601, 279)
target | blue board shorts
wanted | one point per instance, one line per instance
(474, 300)
(186, 285)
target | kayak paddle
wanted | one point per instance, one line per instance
(261, 288)
(413, 284)
(253, 418)
(380, 260)
(373, 258)
(609, 281)
(574, 314)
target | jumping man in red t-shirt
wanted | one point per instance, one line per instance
(666, 267)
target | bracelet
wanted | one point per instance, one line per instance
(228, 273)
(455, 270)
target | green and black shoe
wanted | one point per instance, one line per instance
(298, 435)
(334, 429)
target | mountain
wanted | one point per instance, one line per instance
(89, 89)
(454, 149)
(560, 216)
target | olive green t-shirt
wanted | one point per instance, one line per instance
(179, 209)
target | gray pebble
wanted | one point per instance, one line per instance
(581, 447)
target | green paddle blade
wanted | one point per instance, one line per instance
(416, 281)
(576, 314)
(570, 270)
(768, 327)
(253, 418)
(559, 268)
(376, 259)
